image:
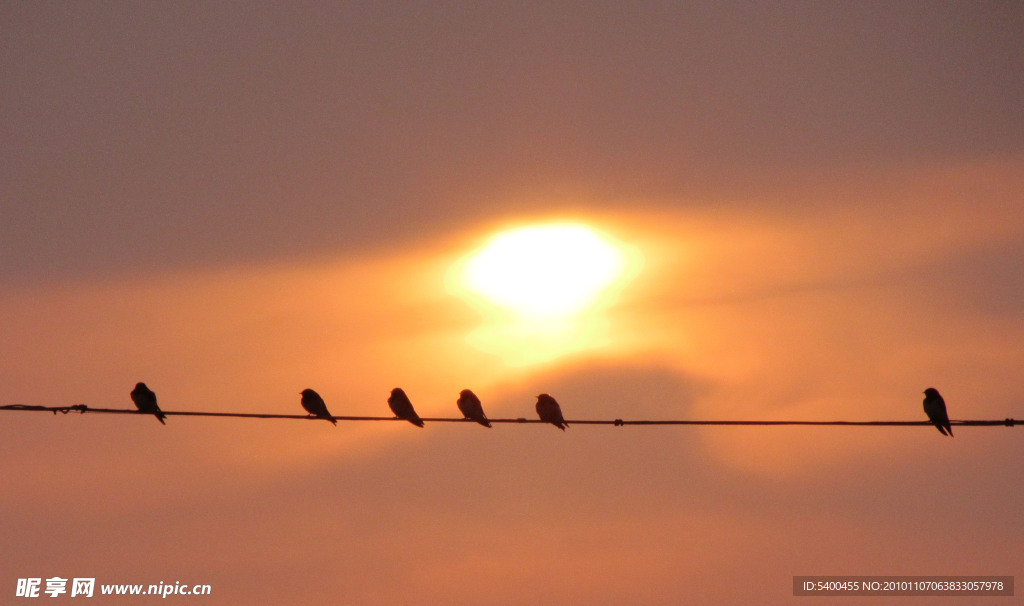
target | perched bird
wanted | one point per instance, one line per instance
(315, 406)
(935, 408)
(145, 401)
(471, 408)
(550, 412)
(402, 407)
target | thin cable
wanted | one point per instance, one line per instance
(82, 408)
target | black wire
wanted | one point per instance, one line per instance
(82, 408)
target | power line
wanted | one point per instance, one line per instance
(82, 408)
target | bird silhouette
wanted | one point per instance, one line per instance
(402, 407)
(935, 408)
(145, 401)
(550, 412)
(471, 408)
(315, 406)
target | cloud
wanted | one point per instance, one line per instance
(190, 139)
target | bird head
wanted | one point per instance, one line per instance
(931, 392)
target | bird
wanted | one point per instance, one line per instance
(471, 408)
(315, 406)
(550, 412)
(145, 401)
(935, 408)
(402, 407)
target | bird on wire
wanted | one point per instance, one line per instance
(145, 401)
(315, 405)
(935, 408)
(550, 412)
(402, 407)
(470, 407)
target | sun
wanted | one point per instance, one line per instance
(545, 271)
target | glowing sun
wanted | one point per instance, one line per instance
(548, 270)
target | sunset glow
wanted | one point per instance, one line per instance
(545, 271)
(735, 241)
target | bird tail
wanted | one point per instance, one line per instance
(160, 417)
(484, 422)
(331, 419)
(418, 422)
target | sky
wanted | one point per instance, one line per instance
(819, 209)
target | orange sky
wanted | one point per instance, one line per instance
(233, 207)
